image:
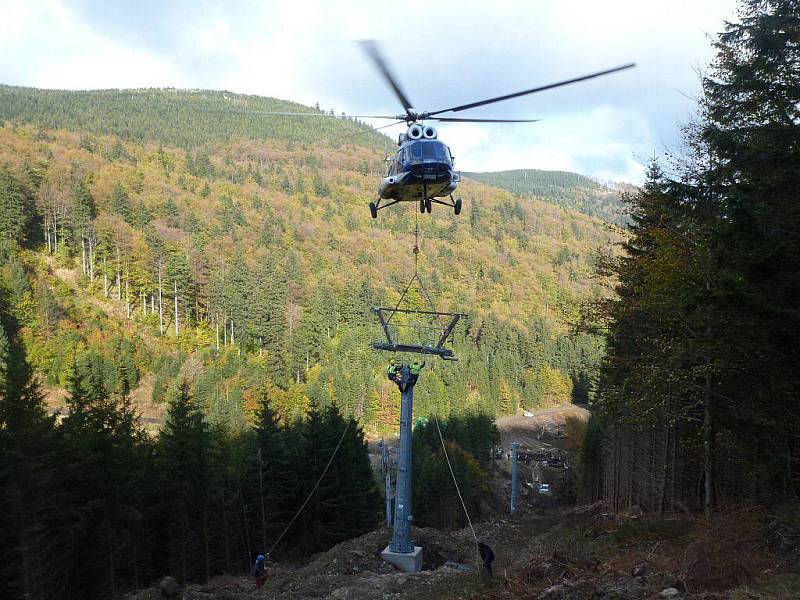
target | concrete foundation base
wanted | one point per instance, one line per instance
(408, 562)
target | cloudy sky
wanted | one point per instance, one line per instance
(443, 52)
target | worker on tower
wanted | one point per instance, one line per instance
(414, 370)
(394, 373)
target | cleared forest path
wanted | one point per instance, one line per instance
(151, 415)
(528, 431)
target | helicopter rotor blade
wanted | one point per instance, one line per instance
(271, 113)
(372, 130)
(531, 91)
(460, 120)
(374, 53)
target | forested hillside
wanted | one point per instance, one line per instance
(568, 190)
(183, 118)
(228, 284)
(273, 261)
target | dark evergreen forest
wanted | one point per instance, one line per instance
(181, 118)
(697, 397)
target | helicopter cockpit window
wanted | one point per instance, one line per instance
(429, 151)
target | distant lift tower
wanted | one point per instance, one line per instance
(514, 448)
(387, 475)
(425, 338)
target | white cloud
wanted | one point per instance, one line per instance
(51, 47)
(444, 53)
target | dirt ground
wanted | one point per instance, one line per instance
(544, 425)
(354, 570)
(557, 554)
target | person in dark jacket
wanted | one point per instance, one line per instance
(487, 556)
(260, 571)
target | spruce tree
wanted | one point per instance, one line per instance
(105, 453)
(120, 203)
(272, 495)
(751, 128)
(14, 209)
(29, 464)
(183, 450)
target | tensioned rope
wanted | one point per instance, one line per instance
(416, 277)
(311, 493)
(453, 475)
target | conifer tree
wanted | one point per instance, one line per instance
(183, 450)
(28, 453)
(120, 203)
(274, 495)
(14, 214)
(105, 451)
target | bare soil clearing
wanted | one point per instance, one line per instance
(544, 424)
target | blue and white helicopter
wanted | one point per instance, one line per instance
(422, 170)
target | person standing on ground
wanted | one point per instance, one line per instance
(487, 556)
(260, 571)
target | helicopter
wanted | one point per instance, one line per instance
(422, 170)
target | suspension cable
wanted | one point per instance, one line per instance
(311, 493)
(453, 475)
(416, 269)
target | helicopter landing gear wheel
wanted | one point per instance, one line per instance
(422, 206)
(457, 207)
(428, 205)
(373, 210)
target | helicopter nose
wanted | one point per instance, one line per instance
(430, 171)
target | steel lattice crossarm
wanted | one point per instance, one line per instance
(440, 332)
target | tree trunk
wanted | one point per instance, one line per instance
(47, 234)
(246, 528)
(111, 582)
(708, 452)
(176, 308)
(92, 245)
(160, 304)
(206, 543)
(226, 535)
(261, 495)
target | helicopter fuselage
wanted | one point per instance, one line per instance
(421, 169)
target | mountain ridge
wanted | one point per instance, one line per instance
(563, 188)
(178, 117)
